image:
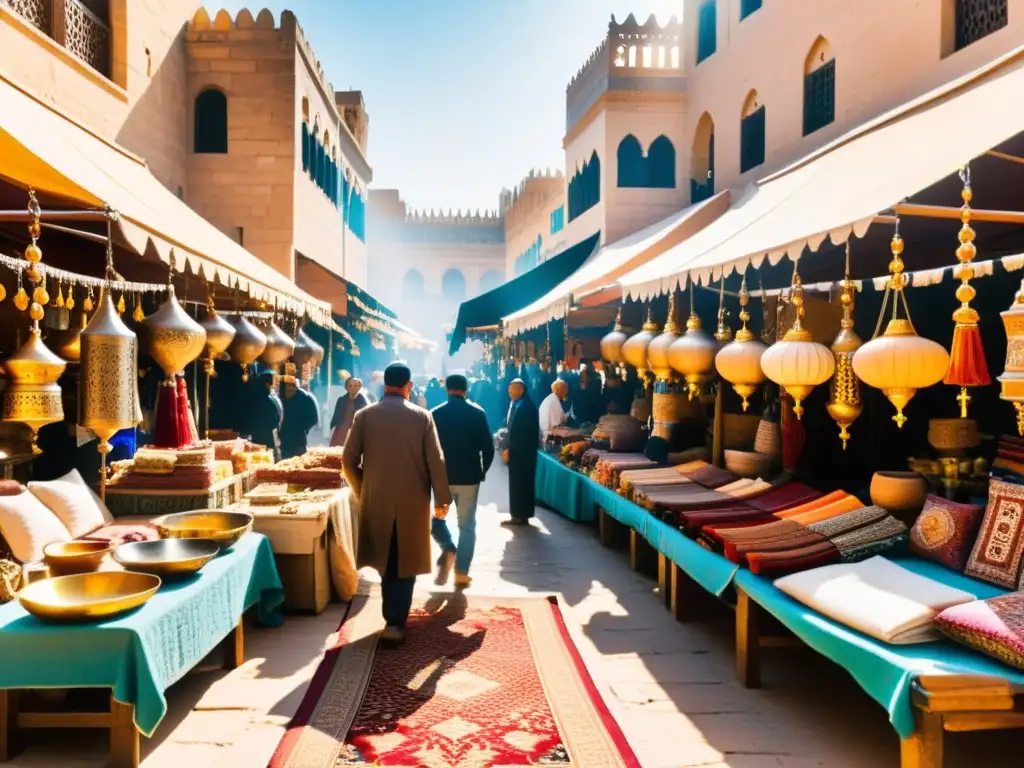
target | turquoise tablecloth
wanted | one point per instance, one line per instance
(140, 654)
(884, 671)
(563, 490)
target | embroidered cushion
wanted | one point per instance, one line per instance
(945, 532)
(999, 548)
(994, 627)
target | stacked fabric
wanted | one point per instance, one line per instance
(610, 465)
(706, 474)
(753, 511)
(876, 597)
(634, 482)
(1009, 460)
(675, 501)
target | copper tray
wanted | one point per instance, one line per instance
(225, 528)
(167, 558)
(88, 596)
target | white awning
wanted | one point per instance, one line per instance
(616, 259)
(839, 189)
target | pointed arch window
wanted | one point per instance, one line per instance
(752, 133)
(412, 285)
(453, 285)
(819, 87)
(210, 128)
(707, 29)
(632, 164)
(702, 160)
(661, 164)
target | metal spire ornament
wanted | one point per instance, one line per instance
(739, 361)
(844, 402)
(658, 350)
(967, 365)
(723, 335)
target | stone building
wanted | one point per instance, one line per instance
(534, 220)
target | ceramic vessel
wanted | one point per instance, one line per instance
(749, 463)
(902, 494)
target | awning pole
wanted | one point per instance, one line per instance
(25, 216)
(948, 212)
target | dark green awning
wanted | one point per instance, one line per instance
(488, 308)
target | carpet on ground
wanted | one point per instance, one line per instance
(479, 682)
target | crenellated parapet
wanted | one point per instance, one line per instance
(243, 27)
(457, 218)
(540, 189)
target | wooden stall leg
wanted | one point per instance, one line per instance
(234, 648)
(9, 734)
(641, 554)
(684, 594)
(748, 641)
(124, 736)
(665, 579)
(604, 527)
(924, 748)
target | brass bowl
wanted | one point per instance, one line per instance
(68, 557)
(225, 528)
(167, 557)
(88, 596)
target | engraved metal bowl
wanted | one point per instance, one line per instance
(225, 528)
(167, 557)
(88, 596)
(67, 557)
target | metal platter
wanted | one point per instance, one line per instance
(167, 558)
(225, 528)
(68, 557)
(88, 596)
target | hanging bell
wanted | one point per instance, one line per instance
(108, 384)
(739, 361)
(693, 354)
(611, 344)
(307, 352)
(247, 345)
(33, 396)
(219, 334)
(279, 346)
(634, 350)
(173, 339)
(67, 344)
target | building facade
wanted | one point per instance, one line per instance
(534, 220)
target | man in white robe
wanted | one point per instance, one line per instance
(551, 413)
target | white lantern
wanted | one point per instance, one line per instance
(693, 353)
(798, 363)
(739, 361)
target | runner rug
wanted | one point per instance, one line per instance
(478, 683)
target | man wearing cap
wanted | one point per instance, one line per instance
(523, 443)
(393, 462)
(468, 453)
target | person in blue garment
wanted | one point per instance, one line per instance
(521, 454)
(264, 412)
(301, 414)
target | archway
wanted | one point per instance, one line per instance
(702, 160)
(412, 285)
(210, 123)
(453, 285)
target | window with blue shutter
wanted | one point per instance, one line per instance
(752, 138)
(707, 29)
(820, 97)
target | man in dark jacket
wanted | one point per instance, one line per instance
(301, 415)
(263, 419)
(468, 453)
(523, 443)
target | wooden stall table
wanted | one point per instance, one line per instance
(138, 502)
(137, 655)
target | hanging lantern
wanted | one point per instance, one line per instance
(247, 345)
(798, 363)
(657, 350)
(307, 352)
(634, 350)
(611, 344)
(899, 362)
(33, 396)
(844, 403)
(68, 344)
(1012, 381)
(723, 335)
(693, 353)
(967, 365)
(739, 361)
(279, 346)
(219, 334)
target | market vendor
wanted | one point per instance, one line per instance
(553, 408)
(265, 412)
(301, 414)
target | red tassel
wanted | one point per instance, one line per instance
(967, 366)
(184, 430)
(794, 435)
(167, 431)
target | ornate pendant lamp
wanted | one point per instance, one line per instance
(634, 350)
(219, 334)
(280, 345)
(693, 354)
(844, 403)
(1012, 381)
(658, 349)
(739, 361)
(798, 363)
(611, 344)
(307, 352)
(967, 365)
(899, 362)
(173, 340)
(247, 345)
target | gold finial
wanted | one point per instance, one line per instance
(724, 333)
(671, 326)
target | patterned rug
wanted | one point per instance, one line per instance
(478, 683)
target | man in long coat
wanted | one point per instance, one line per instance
(393, 461)
(523, 443)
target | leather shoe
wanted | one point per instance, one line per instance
(392, 636)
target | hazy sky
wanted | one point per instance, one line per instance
(464, 96)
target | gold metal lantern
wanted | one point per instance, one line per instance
(739, 361)
(280, 346)
(247, 345)
(219, 334)
(307, 352)
(798, 363)
(33, 396)
(611, 343)
(173, 338)
(658, 349)
(693, 353)
(844, 402)
(634, 350)
(1011, 383)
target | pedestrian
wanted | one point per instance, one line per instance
(552, 411)
(392, 461)
(434, 394)
(348, 405)
(301, 414)
(468, 453)
(523, 443)
(264, 412)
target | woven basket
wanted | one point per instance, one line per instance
(739, 430)
(768, 438)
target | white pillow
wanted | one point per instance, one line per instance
(28, 526)
(74, 502)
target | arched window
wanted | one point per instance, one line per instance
(707, 29)
(490, 280)
(632, 166)
(453, 285)
(752, 133)
(210, 133)
(412, 285)
(819, 87)
(747, 7)
(593, 182)
(661, 164)
(702, 161)
(305, 109)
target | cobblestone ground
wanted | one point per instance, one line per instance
(671, 686)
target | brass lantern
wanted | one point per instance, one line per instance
(247, 345)
(798, 363)
(634, 350)
(279, 346)
(658, 349)
(844, 403)
(1012, 381)
(899, 362)
(611, 344)
(693, 353)
(219, 334)
(739, 361)
(33, 396)
(307, 351)
(173, 338)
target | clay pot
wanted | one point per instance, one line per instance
(901, 494)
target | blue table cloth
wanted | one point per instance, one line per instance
(884, 671)
(139, 655)
(563, 490)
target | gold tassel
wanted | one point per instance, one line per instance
(120, 305)
(69, 302)
(138, 315)
(87, 305)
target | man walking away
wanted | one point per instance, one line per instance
(393, 461)
(468, 453)
(523, 443)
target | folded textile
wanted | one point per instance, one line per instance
(786, 496)
(896, 546)
(693, 521)
(886, 528)
(994, 627)
(675, 500)
(876, 597)
(849, 521)
(745, 489)
(793, 560)
(740, 552)
(835, 509)
(823, 501)
(711, 476)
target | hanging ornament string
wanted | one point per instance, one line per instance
(22, 267)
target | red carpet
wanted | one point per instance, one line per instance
(477, 683)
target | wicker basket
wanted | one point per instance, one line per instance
(768, 438)
(739, 430)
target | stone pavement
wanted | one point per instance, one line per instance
(671, 686)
